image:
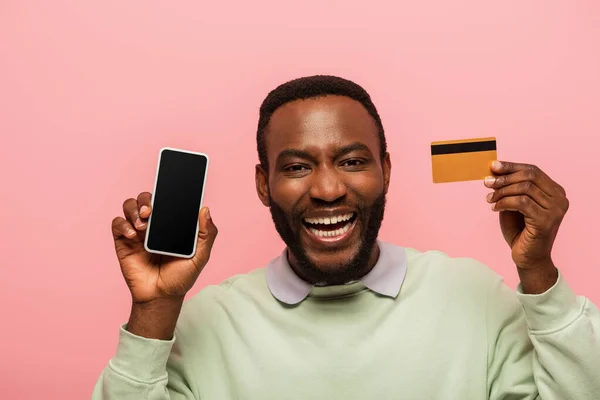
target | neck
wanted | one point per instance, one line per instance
(342, 278)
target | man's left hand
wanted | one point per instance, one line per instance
(532, 207)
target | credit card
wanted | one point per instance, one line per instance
(462, 160)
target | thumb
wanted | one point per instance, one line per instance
(207, 232)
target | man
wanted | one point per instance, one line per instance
(340, 314)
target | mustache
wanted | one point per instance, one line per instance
(317, 205)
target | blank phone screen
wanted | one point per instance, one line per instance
(176, 202)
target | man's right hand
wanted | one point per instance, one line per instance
(153, 278)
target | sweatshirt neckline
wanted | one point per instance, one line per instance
(336, 291)
(385, 278)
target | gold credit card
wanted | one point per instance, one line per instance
(462, 160)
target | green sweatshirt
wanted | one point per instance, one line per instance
(454, 331)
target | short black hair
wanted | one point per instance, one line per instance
(310, 87)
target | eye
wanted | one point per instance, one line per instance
(296, 168)
(353, 163)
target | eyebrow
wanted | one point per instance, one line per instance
(356, 146)
(290, 153)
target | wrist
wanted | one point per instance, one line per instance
(155, 319)
(538, 278)
(159, 303)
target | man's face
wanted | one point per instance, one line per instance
(325, 186)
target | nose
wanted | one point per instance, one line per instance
(327, 186)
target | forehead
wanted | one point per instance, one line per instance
(321, 123)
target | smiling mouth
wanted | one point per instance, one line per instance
(330, 227)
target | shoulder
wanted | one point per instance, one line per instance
(236, 287)
(462, 276)
(239, 294)
(463, 284)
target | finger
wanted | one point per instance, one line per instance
(510, 173)
(207, 229)
(207, 233)
(122, 228)
(507, 167)
(526, 188)
(144, 202)
(523, 204)
(132, 214)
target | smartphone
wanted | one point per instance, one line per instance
(176, 201)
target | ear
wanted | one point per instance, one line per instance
(262, 185)
(387, 172)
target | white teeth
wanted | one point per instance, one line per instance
(337, 232)
(328, 221)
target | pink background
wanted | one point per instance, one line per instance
(89, 91)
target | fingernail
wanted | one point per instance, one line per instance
(207, 214)
(496, 164)
(143, 209)
(489, 197)
(130, 232)
(489, 180)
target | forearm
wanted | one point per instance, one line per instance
(140, 365)
(565, 331)
(539, 279)
(156, 319)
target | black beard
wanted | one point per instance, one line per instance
(368, 218)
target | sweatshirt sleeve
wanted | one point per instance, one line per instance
(544, 347)
(143, 369)
(565, 331)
